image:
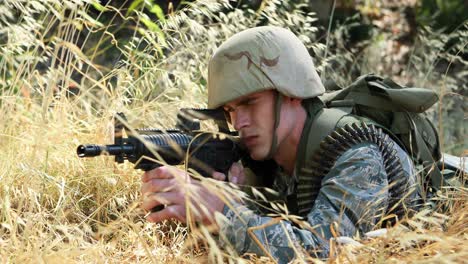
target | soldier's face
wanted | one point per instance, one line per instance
(252, 116)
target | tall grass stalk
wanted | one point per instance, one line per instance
(58, 208)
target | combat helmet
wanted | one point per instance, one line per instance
(259, 59)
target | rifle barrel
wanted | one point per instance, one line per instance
(93, 150)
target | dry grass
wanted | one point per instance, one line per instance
(56, 208)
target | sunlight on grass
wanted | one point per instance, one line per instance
(57, 208)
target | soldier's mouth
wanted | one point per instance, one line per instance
(249, 141)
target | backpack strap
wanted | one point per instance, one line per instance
(434, 172)
(324, 123)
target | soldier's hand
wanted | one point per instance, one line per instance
(176, 190)
(236, 174)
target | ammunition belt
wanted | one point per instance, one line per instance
(333, 146)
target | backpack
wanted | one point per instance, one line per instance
(399, 111)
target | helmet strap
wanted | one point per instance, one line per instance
(277, 117)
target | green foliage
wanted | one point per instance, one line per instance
(149, 5)
(98, 6)
(421, 57)
(442, 14)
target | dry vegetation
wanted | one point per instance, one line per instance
(56, 208)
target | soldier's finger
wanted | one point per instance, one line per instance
(152, 200)
(171, 197)
(234, 172)
(163, 172)
(218, 176)
(170, 212)
(149, 203)
(241, 179)
(157, 185)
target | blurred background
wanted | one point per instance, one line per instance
(83, 43)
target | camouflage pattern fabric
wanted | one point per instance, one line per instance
(353, 197)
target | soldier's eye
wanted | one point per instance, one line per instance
(250, 101)
(228, 109)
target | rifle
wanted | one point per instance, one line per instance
(205, 152)
(202, 151)
(150, 148)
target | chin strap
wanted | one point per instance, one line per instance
(277, 112)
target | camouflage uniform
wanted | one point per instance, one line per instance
(354, 194)
(353, 198)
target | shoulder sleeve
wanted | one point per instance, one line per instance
(352, 198)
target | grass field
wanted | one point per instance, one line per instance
(57, 208)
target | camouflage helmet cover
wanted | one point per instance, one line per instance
(259, 59)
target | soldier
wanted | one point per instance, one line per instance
(266, 82)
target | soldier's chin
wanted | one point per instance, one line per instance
(257, 154)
